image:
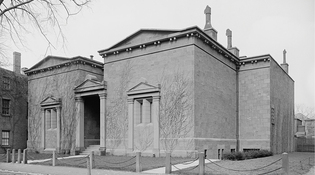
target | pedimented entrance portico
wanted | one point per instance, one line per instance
(88, 90)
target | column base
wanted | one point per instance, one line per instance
(156, 152)
(102, 151)
(76, 151)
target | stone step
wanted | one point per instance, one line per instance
(91, 148)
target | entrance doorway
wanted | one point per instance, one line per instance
(91, 120)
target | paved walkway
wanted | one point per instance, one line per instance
(57, 170)
(14, 168)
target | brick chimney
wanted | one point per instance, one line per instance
(233, 50)
(17, 62)
(285, 65)
(208, 27)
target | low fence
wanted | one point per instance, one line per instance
(201, 165)
(197, 165)
(304, 144)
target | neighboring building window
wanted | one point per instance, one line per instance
(5, 106)
(232, 150)
(5, 138)
(6, 83)
(143, 110)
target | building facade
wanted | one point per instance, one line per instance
(13, 107)
(170, 90)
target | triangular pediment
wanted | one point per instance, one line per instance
(89, 85)
(49, 61)
(50, 101)
(142, 36)
(143, 87)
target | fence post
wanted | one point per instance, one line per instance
(8, 155)
(19, 156)
(13, 156)
(201, 163)
(24, 156)
(138, 163)
(168, 166)
(285, 163)
(88, 164)
(92, 159)
(54, 158)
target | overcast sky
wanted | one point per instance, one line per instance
(258, 26)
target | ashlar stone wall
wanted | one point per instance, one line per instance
(169, 64)
(282, 106)
(58, 83)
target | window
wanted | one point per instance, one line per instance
(143, 110)
(232, 150)
(5, 138)
(6, 83)
(5, 106)
(51, 118)
(219, 153)
(252, 149)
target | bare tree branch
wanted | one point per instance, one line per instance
(20, 17)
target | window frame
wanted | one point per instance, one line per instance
(6, 83)
(7, 138)
(4, 108)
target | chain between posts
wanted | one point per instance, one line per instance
(244, 169)
(120, 162)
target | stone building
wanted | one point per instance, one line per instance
(13, 107)
(164, 90)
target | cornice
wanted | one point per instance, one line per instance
(186, 33)
(74, 61)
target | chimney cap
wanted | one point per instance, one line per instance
(207, 10)
(228, 32)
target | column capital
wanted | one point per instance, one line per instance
(156, 97)
(78, 99)
(130, 100)
(102, 95)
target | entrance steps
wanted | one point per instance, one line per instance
(91, 148)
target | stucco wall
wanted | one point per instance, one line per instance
(169, 64)
(254, 105)
(282, 100)
(58, 83)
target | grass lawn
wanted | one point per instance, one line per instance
(299, 163)
(122, 163)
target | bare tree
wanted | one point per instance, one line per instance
(308, 112)
(117, 114)
(18, 17)
(175, 109)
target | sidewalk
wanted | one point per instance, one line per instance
(57, 170)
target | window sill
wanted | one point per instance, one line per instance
(6, 115)
(5, 146)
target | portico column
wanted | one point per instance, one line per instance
(79, 106)
(58, 128)
(102, 123)
(156, 125)
(42, 114)
(130, 125)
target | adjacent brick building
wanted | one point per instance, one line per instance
(168, 90)
(13, 107)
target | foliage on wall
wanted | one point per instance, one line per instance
(175, 109)
(59, 86)
(117, 112)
